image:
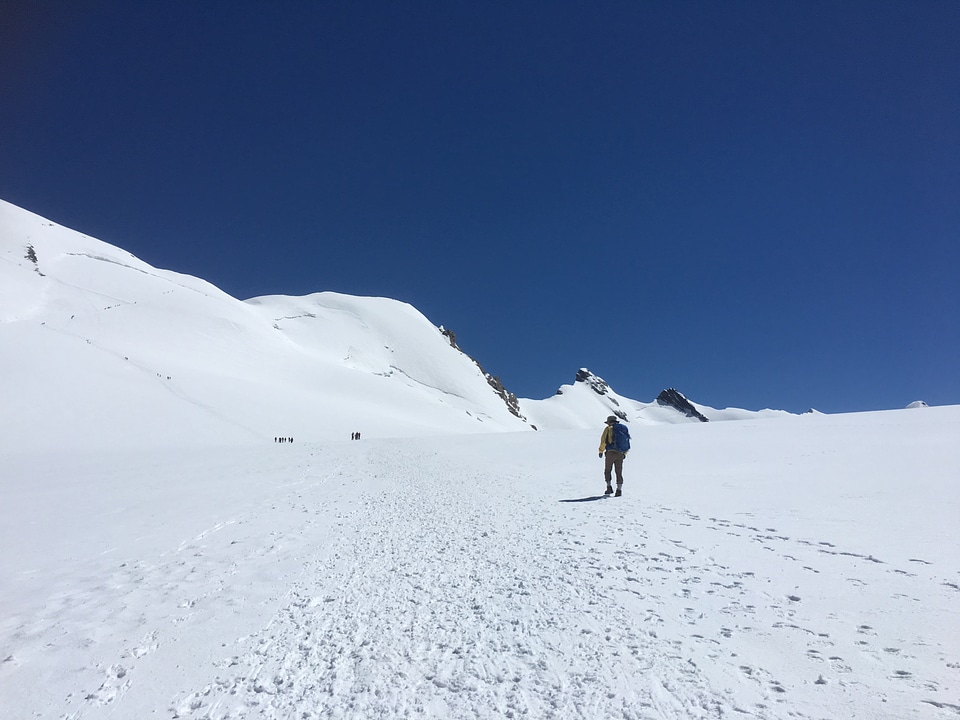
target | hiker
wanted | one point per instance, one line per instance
(614, 445)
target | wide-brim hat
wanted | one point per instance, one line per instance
(612, 419)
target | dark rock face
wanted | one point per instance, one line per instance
(513, 405)
(451, 336)
(597, 384)
(32, 257)
(672, 398)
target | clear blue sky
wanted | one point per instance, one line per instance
(757, 203)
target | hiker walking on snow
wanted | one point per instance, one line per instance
(614, 445)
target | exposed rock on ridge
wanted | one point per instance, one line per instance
(597, 384)
(509, 399)
(674, 399)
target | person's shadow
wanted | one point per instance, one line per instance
(585, 499)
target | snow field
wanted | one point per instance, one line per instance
(484, 576)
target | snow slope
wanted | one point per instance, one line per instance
(799, 568)
(98, 348)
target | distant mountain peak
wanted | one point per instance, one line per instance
(596, 383)
(672, 398)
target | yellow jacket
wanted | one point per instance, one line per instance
(606, 438)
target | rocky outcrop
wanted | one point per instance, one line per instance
(32, 257)
(451, 336)
(513, 404)
(674, 399)
(509, 399)
(596, 383)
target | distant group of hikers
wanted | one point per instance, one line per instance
(353, 436)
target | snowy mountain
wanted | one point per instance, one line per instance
(164, 558)
(590, 399)
(100, 348)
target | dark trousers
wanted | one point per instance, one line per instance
(613, 460)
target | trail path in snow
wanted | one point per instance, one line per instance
(463, 589)
(448, 597)
(478, 578)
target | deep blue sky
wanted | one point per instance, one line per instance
(757, 203)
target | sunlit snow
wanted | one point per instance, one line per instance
(163, 556)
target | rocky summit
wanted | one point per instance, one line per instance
(671, 398)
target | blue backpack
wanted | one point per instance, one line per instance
(621, 437)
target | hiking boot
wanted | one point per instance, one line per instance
(619, 491)
(608, 490)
